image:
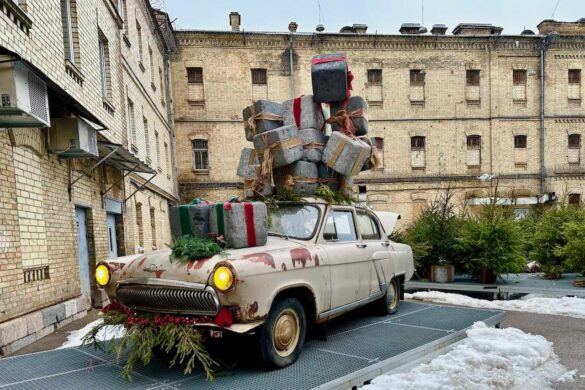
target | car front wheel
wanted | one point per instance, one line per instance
(283, 333)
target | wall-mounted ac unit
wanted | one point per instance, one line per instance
(73, 138)
(23, 96)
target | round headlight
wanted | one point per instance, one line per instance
(102, 275)
(223, 278)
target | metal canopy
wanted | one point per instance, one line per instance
(122, 159)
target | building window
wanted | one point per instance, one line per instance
(104, 53)
(417, 152)
(123, 11)
(519, 76)
(195, 75)
(139, 227)
(473, 150)
(574, 141)
(574, 200)
(146, 139)
(161, 81)
(375, 76)
(473, 142)
(380, 148)
(167, 161)
(153, 228)
(70, 31)
(139, 37)
(151, 66)
(200, 155)
(574, 76)
(472, 77)
(259, 76)
(131, 123)
(157, 150)
(417, 77)
(520, 141)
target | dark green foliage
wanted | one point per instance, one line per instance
(493, 241)
(574, 250)
(332, 197)
(188, 248)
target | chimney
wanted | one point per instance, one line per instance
(292, 27)
(360, 28)
(235, 21)
(410, 28)
(476, 29)
(439, 29)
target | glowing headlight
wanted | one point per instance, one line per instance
(102, 275)
(223, 278)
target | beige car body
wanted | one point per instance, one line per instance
(332, 277)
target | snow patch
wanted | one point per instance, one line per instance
(488, 358)
(106, 333)
(563, 306)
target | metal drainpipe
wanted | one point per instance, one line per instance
(171, 120)
(542, 169)
(291, 64)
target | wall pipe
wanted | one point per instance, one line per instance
(544, 44)
(292, 67)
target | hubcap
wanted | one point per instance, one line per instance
(286, 332)
(392, 296)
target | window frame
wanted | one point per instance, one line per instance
(572, 145)
(515, 80)
(373, 224)
(417, 77)
(473, 142)
(415, 138)
(472, 77)
(254, 72)
(131, 119)
(518, 145)
(573, 72)
(204, 152)
(332, 213)
(71, 54)
(194, 75)
(373, 75)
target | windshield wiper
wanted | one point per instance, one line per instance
(278, 235)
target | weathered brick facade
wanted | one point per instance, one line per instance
(448, 109)
(39, 267)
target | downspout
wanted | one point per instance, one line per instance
(291, 64)
(543, 44)
(171, 121)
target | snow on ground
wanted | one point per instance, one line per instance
(106, 333)
(564, 306)
(488, 358)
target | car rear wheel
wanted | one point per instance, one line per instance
(283, 334)
(390, 302)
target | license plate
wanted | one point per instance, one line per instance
(215, 334)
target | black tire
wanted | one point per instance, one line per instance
(280, 351)
(389, 303)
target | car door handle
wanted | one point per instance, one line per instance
(386, 244)
(361, 245)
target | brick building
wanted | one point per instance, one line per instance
(95, 184)
(445, 108)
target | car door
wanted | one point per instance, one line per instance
(347, 257)
(377, 248)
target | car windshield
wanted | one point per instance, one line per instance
(293, 220)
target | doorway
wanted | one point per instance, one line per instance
(83, 250)
(112, 236)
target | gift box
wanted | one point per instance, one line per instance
(303, 112)
(351, 116)
(346, 186)
(301, 177)
(261, 116)
(328, 176)
(190, 219)
(313, 144)
(282, 146)
(345, 154)
(248, 164)
(330, 77)
(374, 161)
(241, 224)
(258, 187)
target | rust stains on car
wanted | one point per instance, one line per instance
(159, 273)
(283, 266)
(261, 257)
(251, 310)
(300, 255)
(316, 259)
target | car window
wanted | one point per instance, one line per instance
(340, 226)
(293, 220)
(368, 227)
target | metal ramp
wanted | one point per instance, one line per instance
(357, 349)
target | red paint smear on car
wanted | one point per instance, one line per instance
(316, 258)
(141, 263)
(283, 266)
(196, 264)
(302, 255)
(159, 273)
(262, 257)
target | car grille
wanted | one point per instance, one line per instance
(168, 299)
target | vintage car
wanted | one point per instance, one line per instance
(319, 261)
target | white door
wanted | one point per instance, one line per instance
(82, 250)
(348, 259)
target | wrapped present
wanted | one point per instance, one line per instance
(241, 224)
(313, 144)
(345, 154)
(328, 176)
(346, 186)
(350, 116)
(374, 161)
(261, 116)
(303, 112)
(248, 164)
(330, 77)
(190, 219)
(301, 178)
(257, 186)
(277, 148)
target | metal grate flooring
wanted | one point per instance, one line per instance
(355, 343)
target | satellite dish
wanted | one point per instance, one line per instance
(320, 28)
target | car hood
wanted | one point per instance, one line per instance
(246, 261)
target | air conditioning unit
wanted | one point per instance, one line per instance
(73, 138)
(24, 100)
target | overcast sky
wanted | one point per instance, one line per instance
(384, 16)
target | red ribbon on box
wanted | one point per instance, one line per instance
(297, 110)
(249, 219)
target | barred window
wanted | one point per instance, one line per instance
(375, 76)
(472, 77)
(195, 75)
(473, 142)
(417, 143)
(417, 77)
(574, 199)
(200, 155)
(574, 141)
(259, 76)
(574, 76)
(520, 141)
(519, 76)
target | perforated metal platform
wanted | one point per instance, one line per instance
(358, 348)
